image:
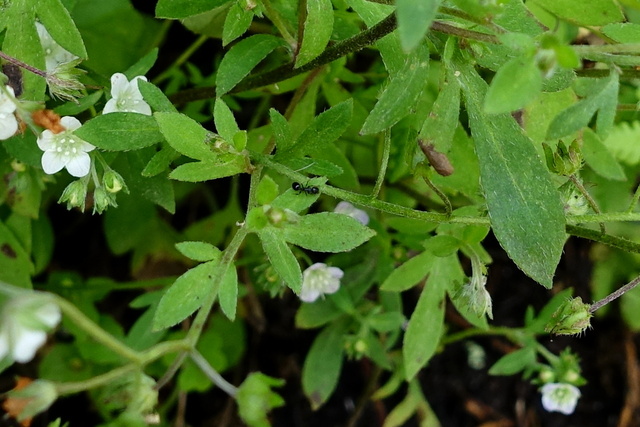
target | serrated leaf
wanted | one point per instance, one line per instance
(409, 274)
(228, 292)
(120, 131)
(414, 19)
(524, 206)
(399, 97)
(185, 135)
(178, 9)
(199, 251)
(56, 19)
(323, 363)
(599, 158)
(515, 85)
(318, 27)
(242, 58)
(327, 232)
(208, 170)
(602, 98)
(185, 295)
(427, 320)
(325, 128)
(281, 258)
(599, 12)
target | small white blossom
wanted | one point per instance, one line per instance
(54, 54)
(318, 280)
(125, 96)
(65, 150)
(560, 397)
(24, 322)
(348, 209)
(8, 121)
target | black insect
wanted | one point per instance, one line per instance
(307, 189)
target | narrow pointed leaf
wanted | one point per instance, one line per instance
(228, 293)
(414, 19)
(281, 258)
(317, 30)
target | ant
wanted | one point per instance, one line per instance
(307, 189)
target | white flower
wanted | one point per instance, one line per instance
(8, 121)
(348, 209)
(65, 150)
(318, 280)
(560, 397)
(125, 96)
(24, 322)
(54, 54)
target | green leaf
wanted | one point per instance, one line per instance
(414, 19)
(325, 128)
(623, 33)
(208, 170)
(242, 58)
(143, 65)
(255, 399)
(622, 142)
(322, 366)
(401, 94)
(236, 23)
(599, 12)
(156, 99)
(515, 85)
(185, 135)
(280, 129)
(199, 251)
(56, 19)
(602, 98)
(281, 258)
(71, 108)
(427, 320)
(120, 131)
(185, 295)
(226, 125)
(599, 158)
(318, 27)
(327, 232)
(441, 123)
(178, 9)
(228, 292)
(524, 206)
(15, 263)
(514, 362)
(409, 274)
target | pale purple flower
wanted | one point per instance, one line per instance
(65, 150)
(319, 279)
(126, 97)
(560, 397)
(348, 209)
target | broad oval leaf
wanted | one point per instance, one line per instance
(120, 131)
(327, 232)
(242, 58)
(598, 12)
(55, 17)
(524, 206)
(409, 274)
(185, 135)
(199, 251)
(185, 295)
(515, 85)
(209, 170)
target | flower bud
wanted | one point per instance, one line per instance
(102, 199)
(571, 318)
(24, 403)
(113, 182)
(565, 160)
(75, 194)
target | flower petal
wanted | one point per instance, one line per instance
(52, 162)
(111, 106)
(45, 140)
(8, 125)
(119, 84)
(26, 344)
(49, 314)
(79, 165)
(70, 123)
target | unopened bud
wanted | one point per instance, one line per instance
(571, 318)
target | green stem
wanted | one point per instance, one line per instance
(551, 358)
(514, 335)
(634, 200)
(604, 217)
(384, 162)
(578, 184)
(632, 48)
(447, 203)
(98, 381)
(616, 294)
(181, 59)
(212, 374)
(596, 236)
(280, 25)
(96, 332)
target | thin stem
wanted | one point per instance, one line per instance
(441, 27)
(613, 241)
(632, 48)
(628, 73)
(212, 374)
(175, 365)
(467, 17)
(551, 358)
(96, 332)
(181, 59)
(634, 200)
(513, 335)
(576, 181)
(604, 217)
(24, 65)
(97, 381)
(384, 162)
(447, 204)
(280, 25)
(616, 294)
